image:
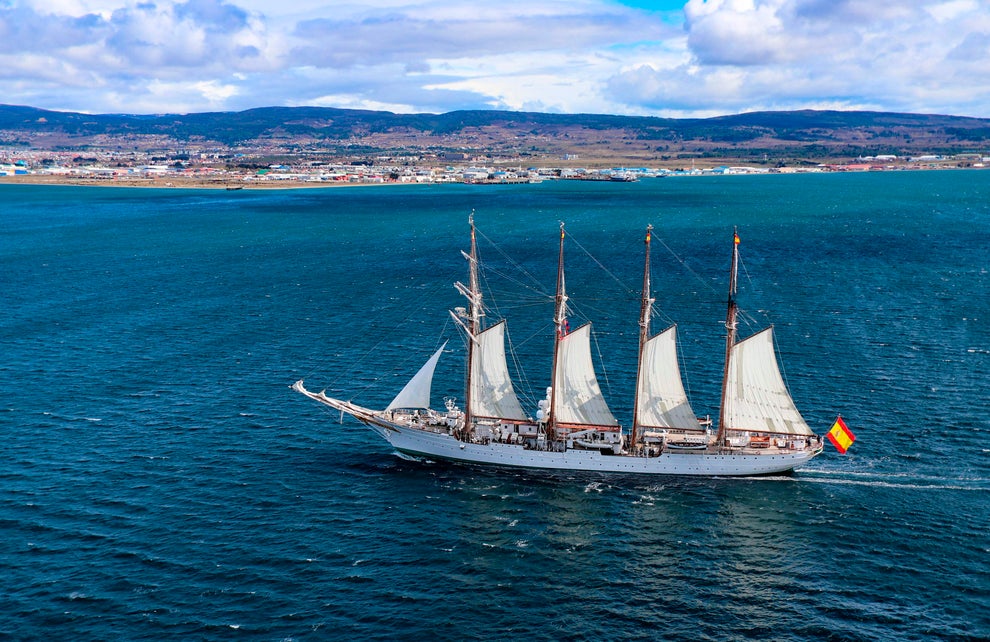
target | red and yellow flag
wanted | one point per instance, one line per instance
(840, 435)
(735, 238)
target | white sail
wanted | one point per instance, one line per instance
(492, 394)
(577, 396)
(416, 394)
(662, 402)
(756, 398)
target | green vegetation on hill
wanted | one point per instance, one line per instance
(807, 134)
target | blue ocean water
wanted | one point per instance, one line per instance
(160, 480)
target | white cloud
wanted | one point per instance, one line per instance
(715, 57)
(946, 11)
(460, 32)
(789, 54)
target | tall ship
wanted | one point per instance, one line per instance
(759, 430)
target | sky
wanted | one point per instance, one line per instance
(669, 58)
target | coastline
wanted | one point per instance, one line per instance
(177, 182)
(240, 182)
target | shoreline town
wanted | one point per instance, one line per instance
(205, 171)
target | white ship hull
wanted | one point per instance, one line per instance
(434, 443)
(421, 443)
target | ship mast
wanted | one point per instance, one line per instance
(644, 335)
(471, 321)
(559, 323)
(730, 335)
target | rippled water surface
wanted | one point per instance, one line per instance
(160, 480)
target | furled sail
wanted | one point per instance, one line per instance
(756, 398)
(577, 396)
(492, 394)
(662, 402)
(416, 394)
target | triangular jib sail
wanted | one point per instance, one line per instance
(577, 397)
(416, 394)
(756, 398)
(661, 400)
(492, 394)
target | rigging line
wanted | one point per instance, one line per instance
(780, 364)
(391, 331)
(443, 331)
(685, 265)
(517, 306)
(521, 377)
(579, 306)
(538, 290)
(604, 269)
(749, 319)
(656, 312)
(348, 374)
(598, 349)
(754, 288)
(492, 302)
(682, 364)
(511, 261)
(495, 303)
(580, 315)
(542, 332)
(632, 292)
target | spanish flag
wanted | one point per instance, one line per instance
(840, 435)
(735, 238)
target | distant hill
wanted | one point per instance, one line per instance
(757, 136)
